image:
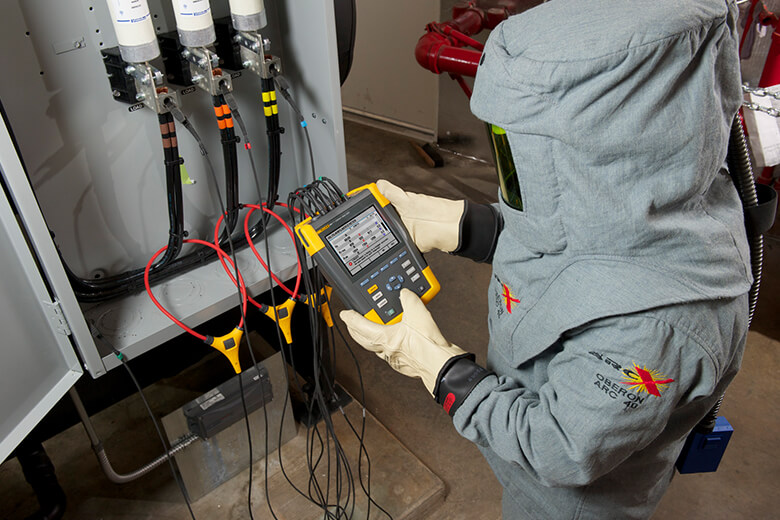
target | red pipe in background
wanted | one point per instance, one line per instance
(771, 73)
(436, 53)
(443, 47)
(440, 50)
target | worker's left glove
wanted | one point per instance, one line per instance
(416, 348)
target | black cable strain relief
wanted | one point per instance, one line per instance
(209, 340)
(230, 140)
(275, 131)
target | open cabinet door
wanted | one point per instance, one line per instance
(37, 361)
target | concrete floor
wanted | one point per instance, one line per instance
(745, 486)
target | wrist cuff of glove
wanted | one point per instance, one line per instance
(480, 226)
(457, 378)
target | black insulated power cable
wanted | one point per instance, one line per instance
(132, 282)
(230, 159)
(271, 111)
(231, 102)
(172, 161)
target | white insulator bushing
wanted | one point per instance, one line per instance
(248, 15)
(134, 30)
(194, 23)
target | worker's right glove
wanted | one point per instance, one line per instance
(433, 222)
(416, 348)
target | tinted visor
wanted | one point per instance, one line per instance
(505, 166)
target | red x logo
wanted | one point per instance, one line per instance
(645, 380)
(508, 297)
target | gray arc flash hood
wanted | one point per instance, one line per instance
(620, 146)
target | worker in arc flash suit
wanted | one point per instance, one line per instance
(617, 306)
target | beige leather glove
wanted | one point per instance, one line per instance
(413, 347)
(433, 222)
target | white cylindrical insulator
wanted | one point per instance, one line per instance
(134, 30)
(248, 15)
(194, 23)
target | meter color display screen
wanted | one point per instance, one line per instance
(362, 240)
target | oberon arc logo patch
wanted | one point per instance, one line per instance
(644, 380)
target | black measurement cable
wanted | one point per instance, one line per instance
(212, 173)
(314, 438)
(284, 88)
(336, 197)
(166, 446)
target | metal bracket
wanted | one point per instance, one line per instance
(205, 71)
(151, 88)
(253, 54)
(57, 317)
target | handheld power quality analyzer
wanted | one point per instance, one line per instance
(367, 254)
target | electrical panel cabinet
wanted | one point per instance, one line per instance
(84, 172)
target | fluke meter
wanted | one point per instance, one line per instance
(367, 255)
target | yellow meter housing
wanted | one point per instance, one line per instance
(367, 255)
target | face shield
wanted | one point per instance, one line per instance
(505, 167)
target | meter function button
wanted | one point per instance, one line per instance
(382, 303)
(392, 279)
(415, 277)
(406, 264)
(364, 283)
(389, 287)
(372, 289)
(402, 254)
(376, 295)
(397, 287)
(390, 312)
(374, 275)
(400, 278)
(410, 270)
(385, 267)
(394, 260)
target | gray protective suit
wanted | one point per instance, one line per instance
(618, 308)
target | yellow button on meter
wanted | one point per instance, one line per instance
(372, 289)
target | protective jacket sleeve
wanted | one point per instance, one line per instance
(609, 391)
(480, 226)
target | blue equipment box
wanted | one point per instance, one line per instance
(702, 451)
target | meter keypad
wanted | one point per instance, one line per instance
(392, 277)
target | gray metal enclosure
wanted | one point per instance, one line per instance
(97, 174)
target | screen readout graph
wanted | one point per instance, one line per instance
(362, 240)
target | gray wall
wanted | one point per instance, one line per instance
(386, 87)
